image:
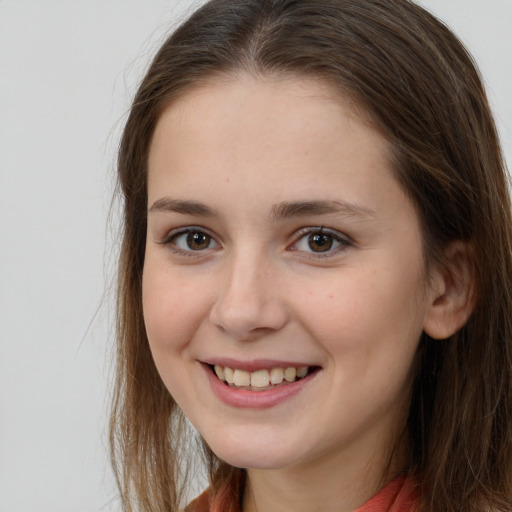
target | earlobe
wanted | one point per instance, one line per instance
(451, 294)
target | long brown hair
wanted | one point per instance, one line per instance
(416, 82)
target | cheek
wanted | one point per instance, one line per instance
(173, 310)
(370, 329)
(364, 312)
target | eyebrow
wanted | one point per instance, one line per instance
(166, 204)
(281, 211)
(304, 208)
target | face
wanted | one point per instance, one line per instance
(283, 255)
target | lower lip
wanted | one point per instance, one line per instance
(243, 398)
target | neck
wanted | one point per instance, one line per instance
(340, 483)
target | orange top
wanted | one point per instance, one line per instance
(399, 495)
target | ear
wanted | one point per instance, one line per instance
(451, 293)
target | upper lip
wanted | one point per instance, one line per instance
(255, 364)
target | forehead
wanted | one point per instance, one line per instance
(233, 125)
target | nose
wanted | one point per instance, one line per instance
(249, 303)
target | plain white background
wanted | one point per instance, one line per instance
(67, 73)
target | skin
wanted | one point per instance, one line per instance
(258, 290)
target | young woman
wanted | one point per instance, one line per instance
(316, 266)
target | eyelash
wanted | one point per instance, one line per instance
(336, 238)
(171, 239)
(342, 241)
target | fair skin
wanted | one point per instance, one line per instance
(278, 236)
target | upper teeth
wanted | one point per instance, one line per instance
(260, 378)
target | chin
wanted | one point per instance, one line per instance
(251, 455)
(253, 461)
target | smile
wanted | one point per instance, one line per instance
(260, 380)
(255, 389)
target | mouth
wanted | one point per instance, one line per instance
(262, 379)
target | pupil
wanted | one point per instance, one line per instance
(320, 242)
(198, 241)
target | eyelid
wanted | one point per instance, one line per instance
(171, 236)
(344, 240)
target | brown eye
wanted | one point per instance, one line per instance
(191, 240)
(320, 242)
(198, 241)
